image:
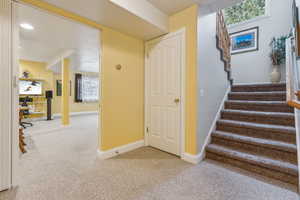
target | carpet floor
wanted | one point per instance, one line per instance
(62, 164)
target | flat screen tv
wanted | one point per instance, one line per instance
(28, 87)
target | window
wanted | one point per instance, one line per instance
(86, 88)
(244, 11)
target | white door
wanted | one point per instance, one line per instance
(164, 62)
(6, 94)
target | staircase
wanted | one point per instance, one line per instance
(256, 132)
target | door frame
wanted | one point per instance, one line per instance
(6, 106)
(14, 125)
(181, 32)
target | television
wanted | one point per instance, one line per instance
(30, 87)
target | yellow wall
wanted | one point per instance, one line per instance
(188, 19)
(39, 70)
(122, 90)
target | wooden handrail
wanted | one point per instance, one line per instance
(224, 44)
(294, 104)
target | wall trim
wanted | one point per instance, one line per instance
(7, 102)
(297, 125)
(194, 159)
(213, 125)
(78, 113)
(120, 150)
(54, 116)
(256, 83)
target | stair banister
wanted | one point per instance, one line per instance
(292, 73)
(224, 44)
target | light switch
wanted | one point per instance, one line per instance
(201, 92)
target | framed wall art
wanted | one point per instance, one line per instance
(245, 41)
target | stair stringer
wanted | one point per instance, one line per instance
(214, 123)
(297, 125)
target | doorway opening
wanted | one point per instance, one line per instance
(58, 93)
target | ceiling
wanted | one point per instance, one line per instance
(49, 40)
(106, 13)
(171, 6)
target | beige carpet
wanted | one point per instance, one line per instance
(63, 165)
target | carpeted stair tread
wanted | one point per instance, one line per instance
(272, 144)
(258, 96)
(267, 127)
(261, 161)
(287, 135)
(259, 102)
(259, 87)
(277, 118)
(252, 168)
(267, 106)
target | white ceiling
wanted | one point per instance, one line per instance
(171, 6)
(111, 15)
(106, 13)
(49, 40)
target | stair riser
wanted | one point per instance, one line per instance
(257, 150)
(258, 88)
(272, 97)
(254, 168)
(261, 119)
(259, 133)
(255, 107)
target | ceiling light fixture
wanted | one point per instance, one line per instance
(27, 26)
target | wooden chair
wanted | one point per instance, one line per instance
(22, 143)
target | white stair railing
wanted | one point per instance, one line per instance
(292, 73)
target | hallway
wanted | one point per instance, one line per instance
(63, 165)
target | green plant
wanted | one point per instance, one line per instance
(277, 54)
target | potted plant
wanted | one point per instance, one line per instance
(277, 56)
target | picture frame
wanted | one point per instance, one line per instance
(245, 41)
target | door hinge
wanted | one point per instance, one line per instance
(147, 129)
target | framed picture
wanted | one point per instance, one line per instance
(59, 88)
(244, 41)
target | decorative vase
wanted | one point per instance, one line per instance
(275, 75)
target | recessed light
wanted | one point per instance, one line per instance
(27, 26)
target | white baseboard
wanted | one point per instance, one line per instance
(54, 116)
(78, 113)
(255, 83)
(213, 126)
(194, 159)
(120, 150)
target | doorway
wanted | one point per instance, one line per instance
(48, 54)
(165, 92)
